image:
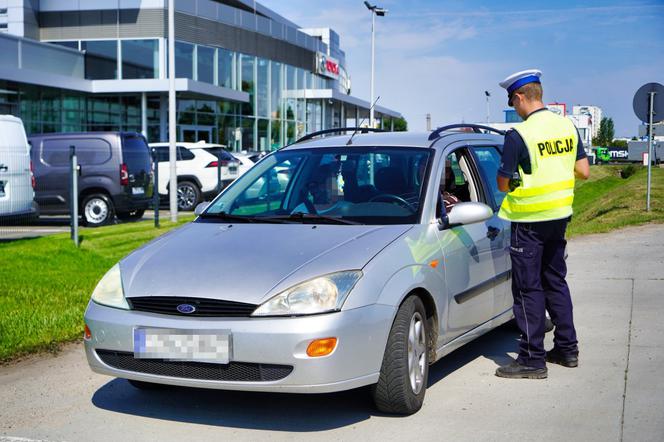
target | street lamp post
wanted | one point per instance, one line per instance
(375, 11)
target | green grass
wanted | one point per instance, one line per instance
(45, 283)
(607, 202)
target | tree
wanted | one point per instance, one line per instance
(605, 134)
(400, 125)
(622, 144)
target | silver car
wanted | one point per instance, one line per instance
(334, 263)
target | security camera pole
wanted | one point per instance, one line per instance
(375, 11)
(172, 154)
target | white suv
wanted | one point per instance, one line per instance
(197, 165)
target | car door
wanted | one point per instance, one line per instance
(53, 178)
(469, 262)
(487, 156)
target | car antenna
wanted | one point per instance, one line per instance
(350, 140)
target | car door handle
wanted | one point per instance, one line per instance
(492, 233)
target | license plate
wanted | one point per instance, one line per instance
(212, 346)
(232, 169)
(137, 191)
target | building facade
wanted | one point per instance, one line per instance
(595, 114)
(246, 77)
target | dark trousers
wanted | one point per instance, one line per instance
(538, 283)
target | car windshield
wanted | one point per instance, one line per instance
(344, 185)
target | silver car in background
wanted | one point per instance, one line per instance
(333, 263)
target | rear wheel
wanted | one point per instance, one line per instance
(405, 369)
(189, 195)
(97, 210)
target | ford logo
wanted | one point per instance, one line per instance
(186, 308)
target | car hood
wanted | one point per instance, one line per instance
(248, 262)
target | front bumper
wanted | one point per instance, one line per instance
(362, 335)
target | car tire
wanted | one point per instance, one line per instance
(189, 195)
(131, 216)
(97, 210)
(141, 385)
(405, 370)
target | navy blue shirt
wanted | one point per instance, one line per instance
(515, 153)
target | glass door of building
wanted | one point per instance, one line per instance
(194, 134)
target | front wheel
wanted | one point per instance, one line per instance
(405, 370)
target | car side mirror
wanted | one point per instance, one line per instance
(200, 208)
(468, 213)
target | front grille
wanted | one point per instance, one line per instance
(167, 305)
(234, 371)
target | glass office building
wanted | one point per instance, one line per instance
(245, 76)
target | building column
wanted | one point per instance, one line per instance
(322, 116)
(392, 124)
(163, 118)
(357, 116)
(144, 114)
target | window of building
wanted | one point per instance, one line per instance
(3, 11)
(262, 92)
(184, 60)
(275, 89)
(247, 77)
(205, 60)
(101, 59)
(140, 59)
(66, 44)
(225, 65)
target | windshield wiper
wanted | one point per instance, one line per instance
(301, 216)
(244, 218)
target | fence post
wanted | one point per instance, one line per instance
(73, 197)
(155, 187)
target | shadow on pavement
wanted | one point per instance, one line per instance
(279, 411)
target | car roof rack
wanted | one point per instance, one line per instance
(362, 130)
(477, 128)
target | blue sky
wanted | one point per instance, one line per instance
(438, 57)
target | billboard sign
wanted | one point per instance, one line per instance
(327, 66)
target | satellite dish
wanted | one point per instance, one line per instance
(641, 102)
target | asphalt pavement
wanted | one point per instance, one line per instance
(615, 394)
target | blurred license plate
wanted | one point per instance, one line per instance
(183, 345)
(137, 191)
(232, 169)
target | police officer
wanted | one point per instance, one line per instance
(547, 153)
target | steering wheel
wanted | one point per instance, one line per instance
(389, 197)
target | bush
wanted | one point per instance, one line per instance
(627, 171)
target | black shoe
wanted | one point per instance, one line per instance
(548, 325)
(556, 357)
(517, 371)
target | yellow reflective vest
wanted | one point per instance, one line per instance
(547, 192)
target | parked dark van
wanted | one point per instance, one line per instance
(115, 175)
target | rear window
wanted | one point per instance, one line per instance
(220, 153)
(135, 152)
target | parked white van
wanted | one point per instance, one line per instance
(16, 179)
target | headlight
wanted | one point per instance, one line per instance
(109, 290)
(324, 294)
